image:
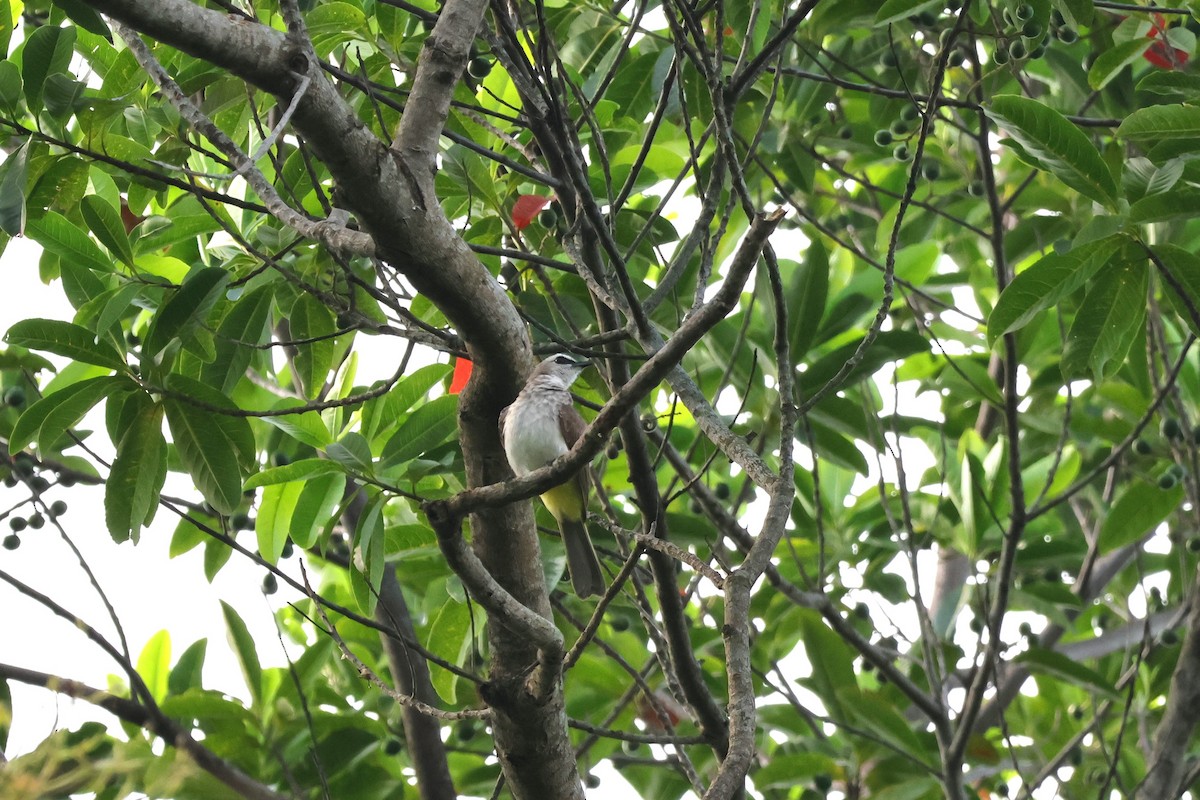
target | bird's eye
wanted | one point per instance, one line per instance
(565, 361)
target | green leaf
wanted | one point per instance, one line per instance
(13, 175)
(450, 638)
(104, 222)
(1184, 268)
(1059, 147)
(807, 293)
(10, 85)
(1160, 123)
(1183, 201)
(301, 470)
(207, 453)
(189, 305)
(274, 519)
(85, 17)
(1110, 62)
(55, 232)
(1076, 12)
(305, 427)
(227, 418)
(383, 413)
(1184, 85)
(247, 653)
(154, 664)
(137, 475)
(832, 664)
(60, 411)
(243, 327)
(1107, 323)
(318, 502)
(425, 428)
(310, 319)
(65, 339)
(896, 10)
(47, 51)
(1139, 509)
(352, 451)
(888, 346)
(187, 672)
(367, 563)
(62, 96)
(1046, 283)
(1039, 659)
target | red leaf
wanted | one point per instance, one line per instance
(1161, 54)
(462, 371)
(526, 208)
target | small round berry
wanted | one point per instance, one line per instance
(12, 542)
(901, 153)
(883, 137)
(1017, 50)
(36, 521)
(479, 67)
(270, 584)
(1142, 447)
(17, 524)
(58, 508)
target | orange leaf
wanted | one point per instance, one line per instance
(462, 372)
(526, 208)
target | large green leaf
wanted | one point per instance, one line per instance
(315, 507)
(425, 428)
(1046, 283)
(60, 411)
(65, 339)
(85, 17)
(301, 470)
(383, 413)
(275, 508)
(187, 306)
(1107, 323)
(47, 52)
(13, 173)
(58, 235)
(1183, 269)
(1182, 201)
(137, 474)
(832, 664)
(366, 574)
(104, 222)
(207, 453)
(1138, 509)
(247, 652)
(225, 414)
(186, 674)
(1059, 147)
(450, 637)
(312, 325)
(1110, 62)
(154, 664)
(243, 327)
(1160, 123)
(895, 10)
(807, 292)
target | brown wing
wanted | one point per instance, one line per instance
(572, 425)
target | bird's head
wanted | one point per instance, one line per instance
(560, 367)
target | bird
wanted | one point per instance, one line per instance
(538, 427)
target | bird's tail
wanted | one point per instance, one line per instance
(586, 577)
